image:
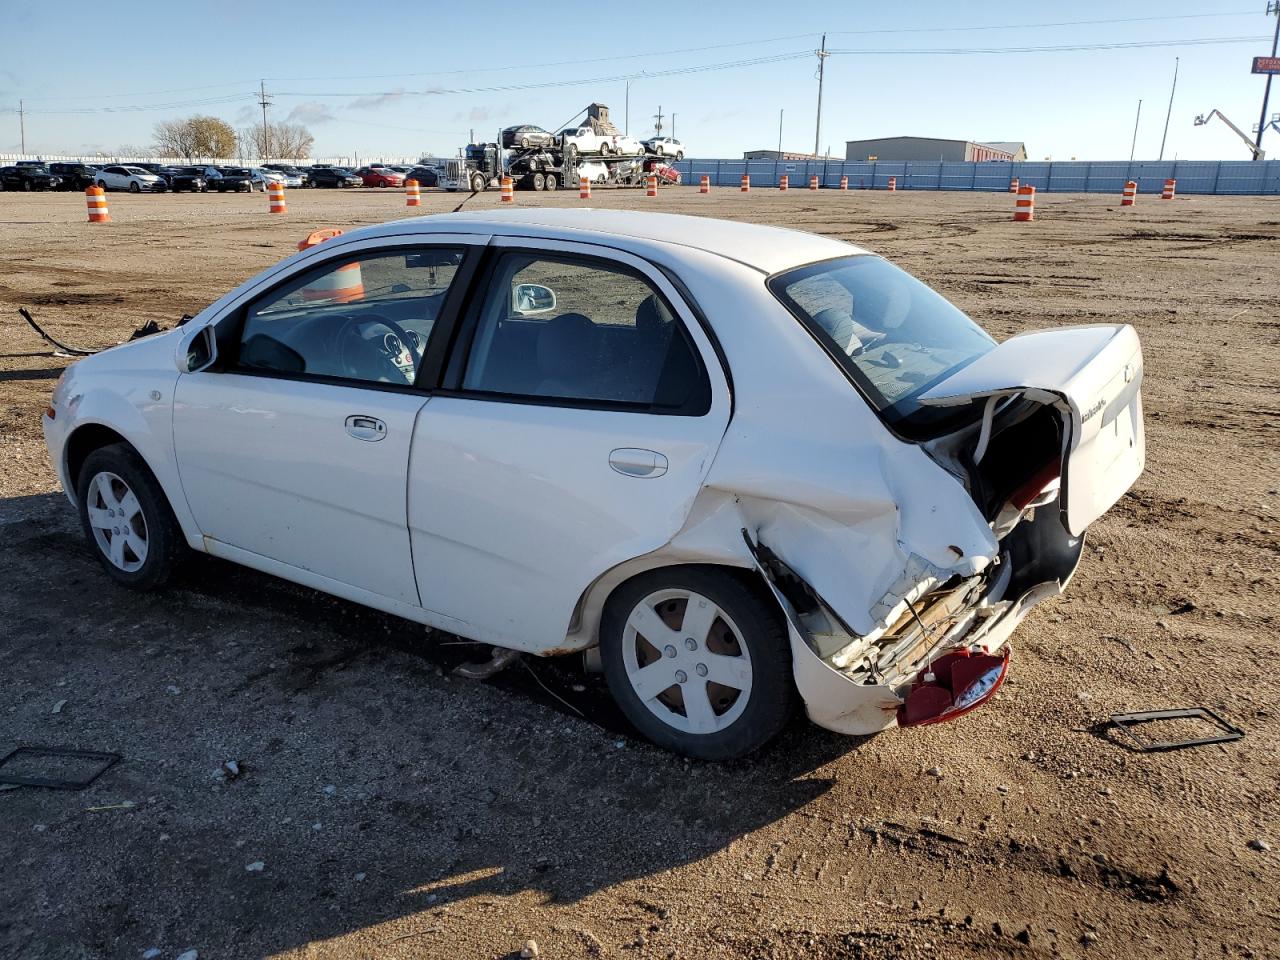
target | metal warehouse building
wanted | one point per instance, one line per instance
(932, 148)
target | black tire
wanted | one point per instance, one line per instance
(133, 187)
(524, 143)
(166, 546)
(551, 182)
(760, 629)
(102, 185)
(478, 183)
(26, 185)
(539, 181)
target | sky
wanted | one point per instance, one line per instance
(390, 79)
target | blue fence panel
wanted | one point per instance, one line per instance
(1193, 176)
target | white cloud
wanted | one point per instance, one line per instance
(311, 112)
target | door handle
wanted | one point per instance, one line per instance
(365, 427)
(637, 462)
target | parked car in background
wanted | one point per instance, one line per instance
(130, 177)
(426, 176)
(74, 176)
(665, 147)
(28, 176)
(402, 168)
(584, 140)
(293, 177)
(525, 136)
(326, 176)
(259, 177)
(184, 178)
(594, 171)
(380, 177)
(230, 179)
(778, 470)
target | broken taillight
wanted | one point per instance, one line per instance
(957, 682)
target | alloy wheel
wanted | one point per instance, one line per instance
(118, 524)
(686, 661)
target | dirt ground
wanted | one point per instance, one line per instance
(387, 809)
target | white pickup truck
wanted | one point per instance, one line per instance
(584, 140)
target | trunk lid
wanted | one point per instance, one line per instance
(1093, 376)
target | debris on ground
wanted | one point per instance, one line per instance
(529, 950)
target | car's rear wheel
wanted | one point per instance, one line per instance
(551, 183)
(102, 184)
(26, 184)
(524, 143)
(539, 181)
(127, 519)
(698, 661)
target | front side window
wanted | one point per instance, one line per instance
(567, 329)
(892, 334)
(367, 317)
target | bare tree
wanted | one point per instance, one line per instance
(282, 141)
(133, 150)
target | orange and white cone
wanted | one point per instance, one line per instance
(342, 285)
(1024, 208)
(704, 185)
(275, 190)
(1170, 187)
(508, 191)
(95, 198)
(844, 183)
(1013, 184)
(651, 186)
(1130, 195)
(746, 183)
(784, 182)
(893, 184)
(813, 183)
(413, 194)
(584, 188)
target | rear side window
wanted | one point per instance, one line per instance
(583, 332)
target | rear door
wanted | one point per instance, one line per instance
(580, 415)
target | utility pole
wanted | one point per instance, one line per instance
(266, 131)
(1273, 9)
(780, 112)
(1170, 113)
(822, 65)
(657, 124)
(673, 124)
(1133, 146)
(22, 124)
(626, 124)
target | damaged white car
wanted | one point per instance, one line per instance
(740, 467)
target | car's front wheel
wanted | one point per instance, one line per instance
(133, 187)
(127, 519)
(698, 661)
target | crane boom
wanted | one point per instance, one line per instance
(1204, 118)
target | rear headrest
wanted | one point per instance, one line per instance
(564, 343)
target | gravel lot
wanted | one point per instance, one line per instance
(386, 809)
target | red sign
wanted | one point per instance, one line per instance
(1266, 64)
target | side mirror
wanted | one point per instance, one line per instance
(200, 351)
(531, 299)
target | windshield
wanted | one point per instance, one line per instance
(893, 335)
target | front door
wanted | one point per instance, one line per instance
(575, 432)
(296, 448)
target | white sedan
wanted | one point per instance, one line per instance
(739, 467)
(133, 179)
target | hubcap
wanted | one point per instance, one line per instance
(686, 661)
(118, 525)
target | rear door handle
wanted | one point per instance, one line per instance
(638, 462)
(364, 427)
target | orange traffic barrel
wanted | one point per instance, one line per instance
(746, 183)
(893, 184)
(784, 183)
(275, 190)
(508, 191)
(95, 198)
(337, 286)
(1025, 206)
(704, 185)
(584, 188)
(1013, 185)
(1170, 186)
(413, 194)
(813, 183)
(844, 183)
(1130, 194)
(651, 186)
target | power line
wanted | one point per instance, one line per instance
(1054, 48)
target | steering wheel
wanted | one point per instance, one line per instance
(356, 353)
